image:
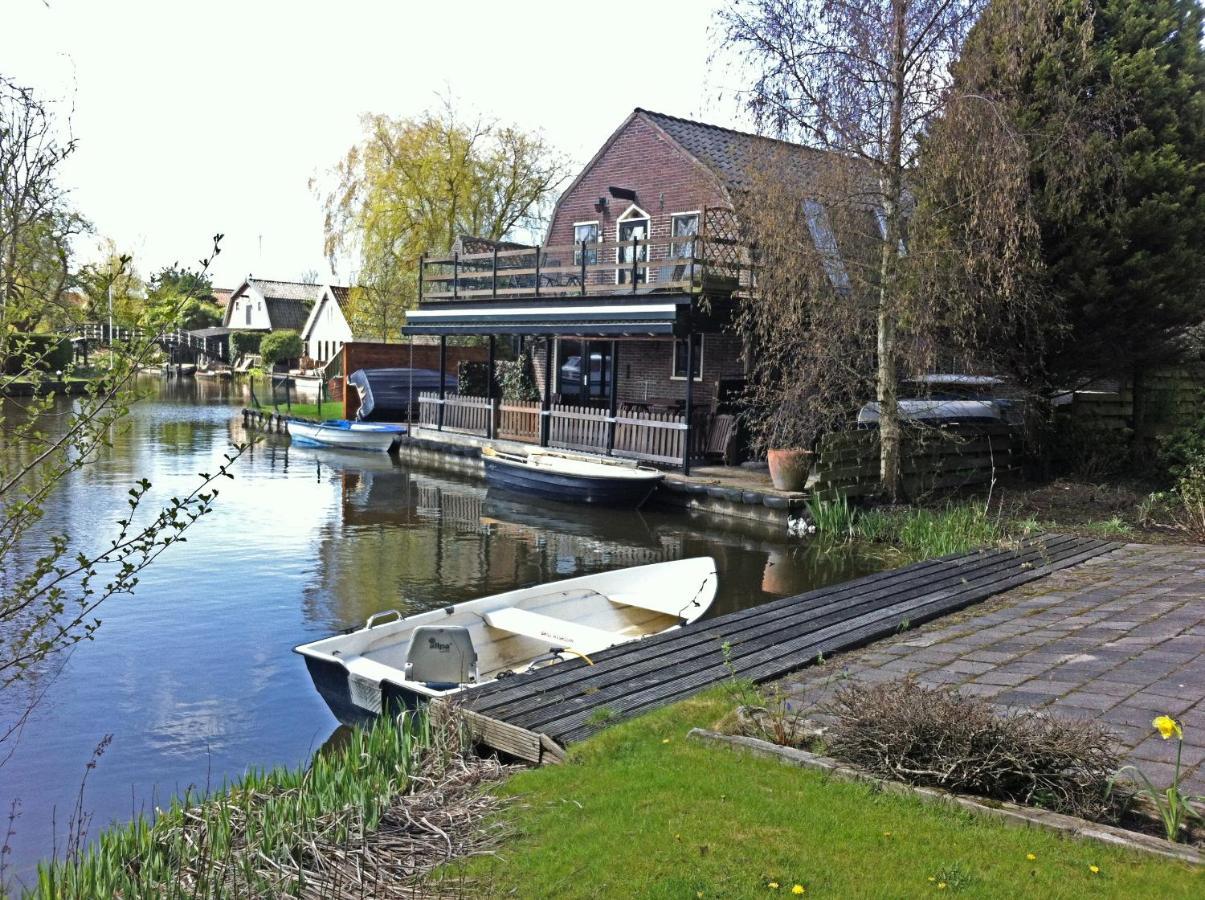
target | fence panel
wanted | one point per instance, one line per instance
(520, 420)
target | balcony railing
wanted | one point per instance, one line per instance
(693, 264)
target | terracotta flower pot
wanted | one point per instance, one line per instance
(789, 468)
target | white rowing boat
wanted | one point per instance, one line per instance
(345, 435)
(405, 661)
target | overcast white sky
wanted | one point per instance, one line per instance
(200, 117)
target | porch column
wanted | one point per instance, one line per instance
(546, 405)
(614, 388)
(443, 365)
(491, 427)
(690, 382)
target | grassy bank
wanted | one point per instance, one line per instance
(274, 833)
(640, 812)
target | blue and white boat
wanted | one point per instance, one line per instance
(345, 434)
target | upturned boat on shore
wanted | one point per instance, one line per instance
(345, 435)
(405, 661)
(569, 479)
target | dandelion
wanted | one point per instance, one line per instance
(773, 885)
(932, 878)
(886, 834)
(941, 885)
(799, 889)
(1031, 857)
(1167, 726)
(1095, 870)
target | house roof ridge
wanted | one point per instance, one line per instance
(734, 131)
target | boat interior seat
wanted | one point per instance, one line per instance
(441, 656)
(674, 607)
(558, 632)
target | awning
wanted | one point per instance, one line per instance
(588, 317)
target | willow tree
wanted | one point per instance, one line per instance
(414, 185)
(863, 280)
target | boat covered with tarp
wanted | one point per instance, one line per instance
(389, 395)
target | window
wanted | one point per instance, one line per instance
(684, 225)
(585, 231)
(679, 371)
(826, 244)
(633, 225)
(247, 310)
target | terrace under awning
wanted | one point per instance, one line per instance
(615, 317)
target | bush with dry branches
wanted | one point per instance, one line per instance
(939, 738)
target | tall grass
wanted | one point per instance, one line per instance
(258, 836)
(917, 532)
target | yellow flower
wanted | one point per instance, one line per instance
(931, 878)
(1030, 857)
(1168, 726)
(798, 889)
(941, 885)
(886, 834)
(773, 885)
(1095, 870)
(665, 740)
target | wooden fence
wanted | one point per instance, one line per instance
(647, 436)
(933, 458)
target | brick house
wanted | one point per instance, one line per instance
(633, 287)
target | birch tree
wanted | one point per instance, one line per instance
(861, 79)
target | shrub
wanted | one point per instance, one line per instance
(36, 352)
(517, 380)
(472, 378)
(1183, 448)
(1191, 489)
(243, 343)
(1090, 450)
(278, 346)
(906, 732)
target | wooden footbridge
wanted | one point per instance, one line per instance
(534, 716)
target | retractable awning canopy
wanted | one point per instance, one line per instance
(588, 317)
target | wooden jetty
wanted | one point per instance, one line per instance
(534, 716)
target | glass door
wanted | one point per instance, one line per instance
(635, 226)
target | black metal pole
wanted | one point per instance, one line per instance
(613, 409)
(422, 264)
(489, 388)
(690, 381)
(443, 366)
(546, 406)
(537, 270)
(583, 268)
(455, 276)
(633, 264)
(494, 277)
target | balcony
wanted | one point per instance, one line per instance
(693, 265)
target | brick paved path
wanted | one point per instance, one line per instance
(1120, 638)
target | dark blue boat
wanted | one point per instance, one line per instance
(390, 395)
(569, 480)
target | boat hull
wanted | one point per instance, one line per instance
(374, 438)
(567, 487)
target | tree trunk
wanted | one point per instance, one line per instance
(892, 183)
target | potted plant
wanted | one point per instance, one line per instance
(789, 467)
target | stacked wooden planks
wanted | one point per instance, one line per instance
(532, 715)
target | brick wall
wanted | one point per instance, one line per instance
(666, 181)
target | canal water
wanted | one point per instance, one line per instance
(193, 676)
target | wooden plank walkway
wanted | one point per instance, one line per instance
(534, 715)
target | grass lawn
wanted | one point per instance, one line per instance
(331, 409)
(638, 811)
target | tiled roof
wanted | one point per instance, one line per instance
(468, 243)
(221, 296)
(284, 313)
(727, 152)
(286, 290)
(341, 294)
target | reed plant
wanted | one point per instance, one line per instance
(271, 833)
(915, 531)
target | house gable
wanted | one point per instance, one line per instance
(643, 158)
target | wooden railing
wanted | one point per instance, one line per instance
(690, 264)
(637, 434)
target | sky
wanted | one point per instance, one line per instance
(201, 117)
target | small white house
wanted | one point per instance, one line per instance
(327, 329)
(259, 304)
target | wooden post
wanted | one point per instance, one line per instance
(494, 277)
(491, 427)
(613, 409)
(443, 365)
(634, 254)
(690, 381)
(546, 406)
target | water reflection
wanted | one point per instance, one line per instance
(194, 676)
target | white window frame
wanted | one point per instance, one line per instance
(698, 214)
(673, 357)
(577, 245)
(626, 216)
